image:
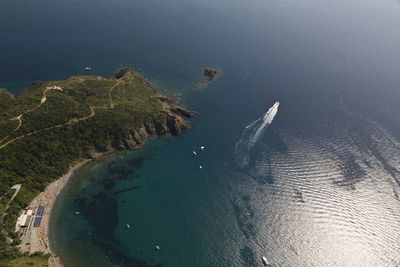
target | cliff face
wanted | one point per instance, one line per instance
(172, 119)
(175, 123)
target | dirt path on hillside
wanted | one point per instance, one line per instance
(16, 187)
(75, 120)
(19, 117)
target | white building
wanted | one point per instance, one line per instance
(58, 88)
(24, 219)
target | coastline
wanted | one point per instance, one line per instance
(38, 237)
(158, 116)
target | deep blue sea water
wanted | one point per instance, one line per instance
(322, 186)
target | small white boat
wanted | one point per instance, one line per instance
(201, 167)
(194, 152)
(202, 147)
(157, 247)
(88, 68)
(77, 212)
(265, 261)
(128, 226)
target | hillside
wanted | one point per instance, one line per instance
(54, 124)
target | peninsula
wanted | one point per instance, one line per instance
(55, 125)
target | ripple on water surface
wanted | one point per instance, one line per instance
(333, 199)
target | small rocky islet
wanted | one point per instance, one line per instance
(209, 75)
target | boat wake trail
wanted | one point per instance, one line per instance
(251, 134)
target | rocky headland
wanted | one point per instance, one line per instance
(55, 125)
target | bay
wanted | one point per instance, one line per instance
(323, 184)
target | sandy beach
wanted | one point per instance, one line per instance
(37, 238)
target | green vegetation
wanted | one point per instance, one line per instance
(36, 260)
(58, 128)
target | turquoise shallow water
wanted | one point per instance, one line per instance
(322, 185)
